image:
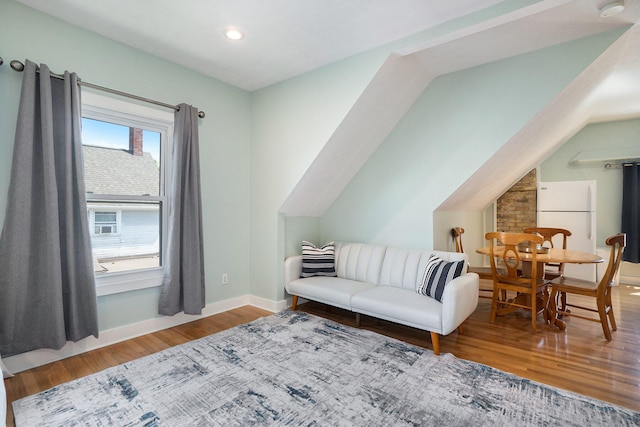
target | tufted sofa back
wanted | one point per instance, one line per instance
(404, 268)
(359, 261)
(386, 266)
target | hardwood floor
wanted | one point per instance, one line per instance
(578, 359)
(47, 376)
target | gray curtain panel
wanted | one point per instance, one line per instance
(631, 211)
(183, 284)
(47, 286)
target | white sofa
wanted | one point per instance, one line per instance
(381, 281)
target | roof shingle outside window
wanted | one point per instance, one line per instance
(117, 171)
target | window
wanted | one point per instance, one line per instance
(105, 223)
(126, 165)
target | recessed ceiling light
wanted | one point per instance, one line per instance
(233, 33)
(612, 8)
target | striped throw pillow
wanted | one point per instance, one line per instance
(318, 261)
(436, 276)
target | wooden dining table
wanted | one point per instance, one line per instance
(554, 255)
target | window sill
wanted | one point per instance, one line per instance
(116, 283)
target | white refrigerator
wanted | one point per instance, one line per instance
(571, 205)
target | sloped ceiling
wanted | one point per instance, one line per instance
(609, 89)
(406, 74)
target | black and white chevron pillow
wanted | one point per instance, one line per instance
(318, 261)
(436, 276)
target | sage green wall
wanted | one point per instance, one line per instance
(291, 122)
(298, 229)
(598, 136)
(224, 138)
(475, 225)
(452, 129)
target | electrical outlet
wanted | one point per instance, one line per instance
(225, 279)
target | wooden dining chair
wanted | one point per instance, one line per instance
(530, 288)
(552, 270)
(601, 291)
(483, 272)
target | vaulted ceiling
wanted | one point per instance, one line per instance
(285, 38)
(608, 89)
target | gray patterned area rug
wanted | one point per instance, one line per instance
(295, 369)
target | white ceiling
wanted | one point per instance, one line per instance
(283, 38)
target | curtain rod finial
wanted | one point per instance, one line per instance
(1, 60)
(201, 114)
(17, 65)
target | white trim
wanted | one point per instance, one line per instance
(266, 304)
(630, 280)
(101, 107)
(114, 283)
(92, 101)
(32, 359)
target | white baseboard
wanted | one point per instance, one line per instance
(267, 304)
(32, 359)
(630, 280)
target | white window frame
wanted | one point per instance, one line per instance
(129, 113)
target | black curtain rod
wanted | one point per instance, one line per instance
(19, 66)
(617, 165)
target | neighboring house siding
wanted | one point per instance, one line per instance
(138, 236)
(119, 172)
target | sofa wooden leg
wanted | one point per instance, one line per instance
(435, 341)
(294, 302)
(357, 320)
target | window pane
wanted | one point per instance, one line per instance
(131, 242)
(120, 160)
(108, 217)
